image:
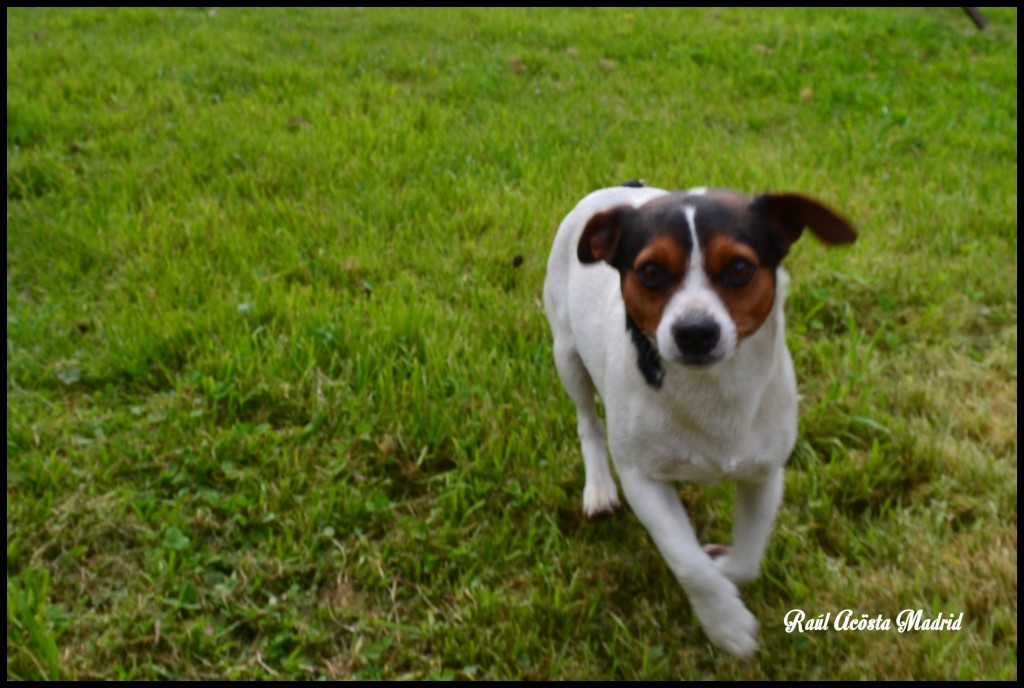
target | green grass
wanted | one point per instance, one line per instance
(280, 398)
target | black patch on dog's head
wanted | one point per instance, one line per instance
(633, 184)
(729, 213)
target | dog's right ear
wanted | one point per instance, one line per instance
(789, 213)
(601, 236)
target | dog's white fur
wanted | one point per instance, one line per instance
(734, 419)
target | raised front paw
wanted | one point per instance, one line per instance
(728, 623)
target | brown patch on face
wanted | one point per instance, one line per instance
(750, 303)
(643, 303)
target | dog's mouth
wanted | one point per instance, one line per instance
(699, 360)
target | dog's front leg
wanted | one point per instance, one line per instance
(757, 504)
(715, 599)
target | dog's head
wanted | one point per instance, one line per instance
(698, 269)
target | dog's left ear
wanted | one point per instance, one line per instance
(788, 214)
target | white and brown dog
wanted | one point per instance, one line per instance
(670, 306)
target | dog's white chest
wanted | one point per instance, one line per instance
(682, 434)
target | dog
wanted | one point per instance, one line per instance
(670, 307)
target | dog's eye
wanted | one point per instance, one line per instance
(652, 276)
(739, 272)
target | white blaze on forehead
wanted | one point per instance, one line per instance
(694, 269)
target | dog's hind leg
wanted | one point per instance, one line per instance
(600, 496)
(757, 504)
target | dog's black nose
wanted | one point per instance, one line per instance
(696, 337)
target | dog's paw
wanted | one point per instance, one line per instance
(730, 566)
(729, 624)
(599, 499)
(738, 636)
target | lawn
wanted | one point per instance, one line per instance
(280, 394)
